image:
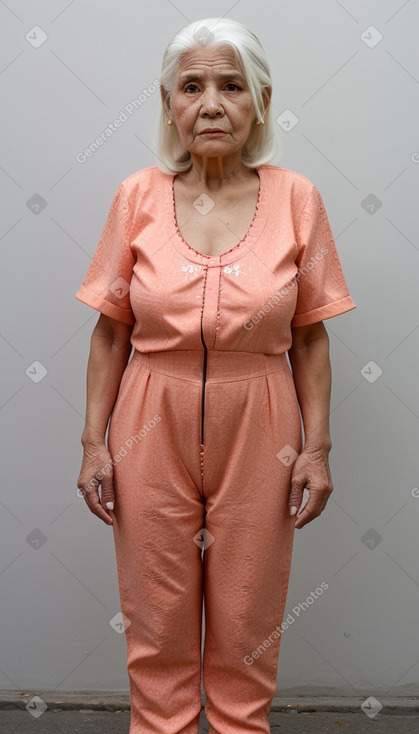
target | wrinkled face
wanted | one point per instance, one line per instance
(209, 91)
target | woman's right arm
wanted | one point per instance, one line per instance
(110, 348)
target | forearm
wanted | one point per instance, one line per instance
(312, 378)
(107, 361)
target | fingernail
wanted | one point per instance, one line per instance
(293, 510)
(109, 505)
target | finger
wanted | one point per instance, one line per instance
(108, 495)
(94, 504)
(296, 495)
(97, 509)
(86, 488)
(311, 510)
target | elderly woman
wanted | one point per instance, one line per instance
(213, 264)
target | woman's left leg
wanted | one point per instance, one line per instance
(250, 538)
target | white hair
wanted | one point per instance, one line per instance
(263, 144)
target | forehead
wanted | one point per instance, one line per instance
(208, 59)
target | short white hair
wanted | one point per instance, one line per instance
(263, 144)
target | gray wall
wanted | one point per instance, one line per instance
(356, 139)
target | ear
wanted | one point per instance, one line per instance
(266, 97)
(165, 96)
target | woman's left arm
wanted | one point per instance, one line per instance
(309, 357)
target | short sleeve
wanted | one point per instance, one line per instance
(106, 285)
(322, 289)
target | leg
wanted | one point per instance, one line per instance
(158, 510)
(247, 566)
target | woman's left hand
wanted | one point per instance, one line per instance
(310, 470)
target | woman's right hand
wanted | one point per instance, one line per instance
(97, 468)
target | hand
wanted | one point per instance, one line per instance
(310, 470)
(97, 468)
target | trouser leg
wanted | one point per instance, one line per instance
(160, 573)
(247, 566)
(158, 511)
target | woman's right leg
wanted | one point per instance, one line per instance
(158, 512)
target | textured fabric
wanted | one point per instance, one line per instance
(203, 441)
(141, 246)
(168, 488)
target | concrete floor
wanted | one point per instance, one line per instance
(98, 712)
(19, 721)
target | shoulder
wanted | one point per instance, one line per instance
(296, 188)
(152, 175)
(142, 188)
(289, 178)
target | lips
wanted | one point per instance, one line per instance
(212, 130)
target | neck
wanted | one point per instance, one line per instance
(212, 173)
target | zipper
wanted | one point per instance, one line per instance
(204, 379)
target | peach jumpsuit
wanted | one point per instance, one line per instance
(203, 436)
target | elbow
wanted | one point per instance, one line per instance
(116, 333)
(302, 336)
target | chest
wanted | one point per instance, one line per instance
(214, 224)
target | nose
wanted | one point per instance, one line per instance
(211, 103)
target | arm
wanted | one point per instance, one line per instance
(309, 357)
(110, 348)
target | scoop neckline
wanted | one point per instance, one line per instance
(234, 253)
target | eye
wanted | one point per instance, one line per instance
(229, 84)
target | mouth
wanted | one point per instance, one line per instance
(213, 131)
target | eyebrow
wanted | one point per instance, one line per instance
(189, 76)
